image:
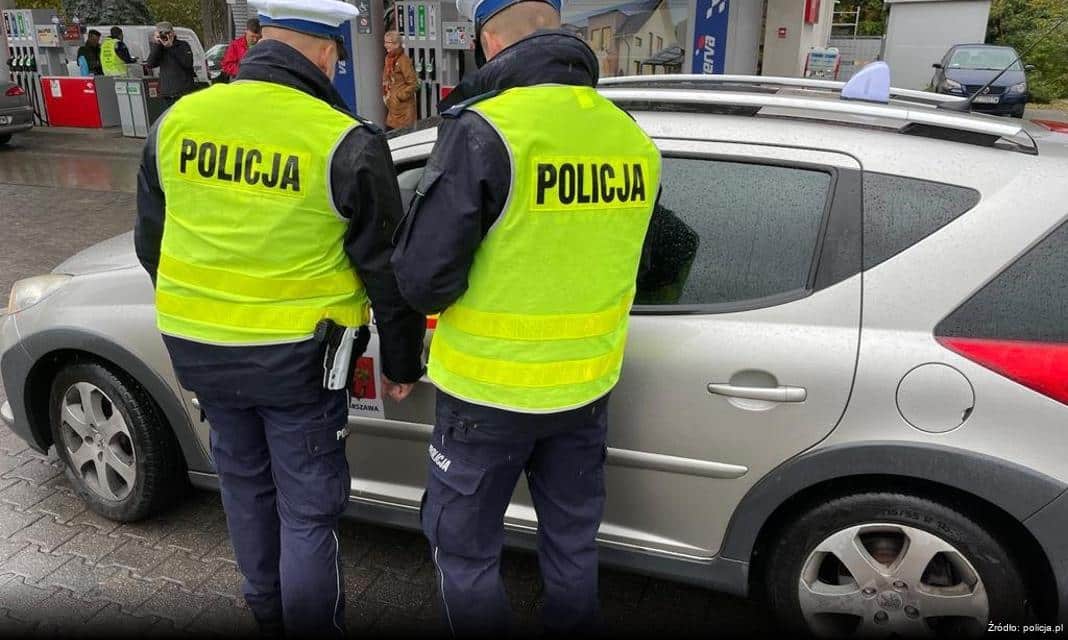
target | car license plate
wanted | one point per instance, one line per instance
(6, 119)
(987, 99)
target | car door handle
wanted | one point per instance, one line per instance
(767, 394)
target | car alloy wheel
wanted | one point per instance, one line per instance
(879, 580)
(98, 442)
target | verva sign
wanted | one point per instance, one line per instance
(710, 34)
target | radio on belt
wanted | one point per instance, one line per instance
(342, 347)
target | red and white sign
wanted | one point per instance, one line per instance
(812, 11)
(365, 398)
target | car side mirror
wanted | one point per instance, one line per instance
(1029, 67)
(937, 65)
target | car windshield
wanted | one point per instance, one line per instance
(984, 58)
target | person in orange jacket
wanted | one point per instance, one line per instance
(399, 84)
(231, 63)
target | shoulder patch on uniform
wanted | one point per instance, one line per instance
(456, 110)
(371, 126)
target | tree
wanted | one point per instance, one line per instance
(1019, 24)
(872, 18)
(180, 13)
(216, 22)
(125, 12)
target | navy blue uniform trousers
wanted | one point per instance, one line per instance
(476, 455)
(285, 483)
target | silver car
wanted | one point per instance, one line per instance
(845, 385)
(16, 113)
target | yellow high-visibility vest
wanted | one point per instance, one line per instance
(543, 324)
(252, 247)
(110, 61)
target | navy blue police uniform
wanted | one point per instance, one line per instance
(477, 453)
(277, 436)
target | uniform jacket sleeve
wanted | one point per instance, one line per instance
(151, 208)
(232, 60)
(461, 194)
(155, 55)
(183, 53)
(365, 192)
(124, 52)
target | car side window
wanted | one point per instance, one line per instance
(900, 211)
(729, 232)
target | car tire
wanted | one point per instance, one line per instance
(121, 456)
(885, 524)
(4, 139)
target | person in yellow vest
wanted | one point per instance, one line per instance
(114, 54)
(266, 233)
(526, 235)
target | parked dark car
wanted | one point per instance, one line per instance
(966, 68)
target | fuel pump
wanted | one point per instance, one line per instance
(440, 45)
(36, 47)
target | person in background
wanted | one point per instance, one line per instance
(399, 84)
(89, 55)
(174, 58)
(231, 63)
(114, 54)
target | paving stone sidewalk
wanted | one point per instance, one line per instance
(65, 571)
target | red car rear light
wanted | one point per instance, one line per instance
(15, 91)
(1041, 366)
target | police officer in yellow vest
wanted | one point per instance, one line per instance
(264, 217)
(527, 236)
(114, 54)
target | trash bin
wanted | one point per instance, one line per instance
(140, 105)
(153, 100)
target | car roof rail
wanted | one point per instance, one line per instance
(767, 83)
(899, 116)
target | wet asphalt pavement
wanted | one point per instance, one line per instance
(64, 570)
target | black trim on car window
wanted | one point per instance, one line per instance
(836, 255)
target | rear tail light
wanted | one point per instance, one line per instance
(15, 91)
(1042, 366)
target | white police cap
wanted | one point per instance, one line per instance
(315, 17)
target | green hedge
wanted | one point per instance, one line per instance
(1019, 23)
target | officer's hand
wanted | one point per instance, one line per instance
(396, 391)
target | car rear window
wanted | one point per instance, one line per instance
(1026, 302)
(900, 211)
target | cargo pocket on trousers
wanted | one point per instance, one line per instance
(451, 511)
(327, 449)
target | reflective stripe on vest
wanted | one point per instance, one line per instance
(543, 324)
(110, 61)
(253, 250)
